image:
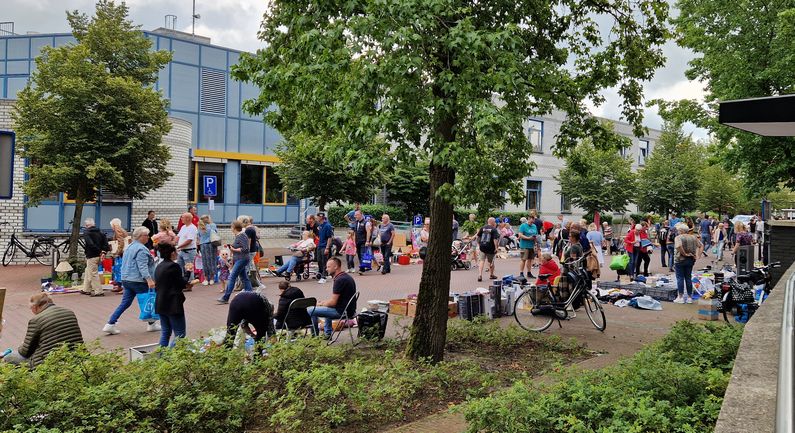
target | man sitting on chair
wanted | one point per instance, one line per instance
(341, 293)
(297, 318)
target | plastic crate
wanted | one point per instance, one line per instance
(661, 293)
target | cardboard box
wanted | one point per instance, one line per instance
(399, 240)
(138, 353)
(411, 310)
(398, 306)
(708, 309)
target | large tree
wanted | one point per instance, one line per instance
(408, 186)
(455, 80)
(89, 120)
(672, 175)
(744, 49)
(598, 178)
(720, 191)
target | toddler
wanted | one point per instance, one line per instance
(198, 268)
(349, 248)
(223, 268)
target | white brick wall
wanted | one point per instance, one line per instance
(11, 211)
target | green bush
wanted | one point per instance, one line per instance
(676, 385)
(336, 214)
(608, 217)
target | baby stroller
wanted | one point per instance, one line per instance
(460, 255)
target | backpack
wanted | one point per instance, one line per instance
(671, 235)
(486, 237)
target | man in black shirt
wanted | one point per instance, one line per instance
(249, 308)
(488, 240)
(343, 290)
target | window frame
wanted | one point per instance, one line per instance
(265, 188)
(540, 147)
(197, 174)
(565, 205)
(261, 192)
(537, 206)
(643, 151)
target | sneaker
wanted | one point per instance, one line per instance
(521, 275)
(321, 280)
(221, 301)
(530, 276)
(110, 329)
(688, 300)
(480, 278)
(152, 326)
(94, 295)
(679, 300)
(206, 283)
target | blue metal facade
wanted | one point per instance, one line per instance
(223, 128)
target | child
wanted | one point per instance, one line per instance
(349, 248)
(198, 268)
(548, 266)
(223, 268)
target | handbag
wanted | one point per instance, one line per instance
(147, 303)
(215, 238)
(619, 263)
(367, 259)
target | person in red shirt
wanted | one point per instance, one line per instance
(195, 218)
(632, 243)
(548, 266)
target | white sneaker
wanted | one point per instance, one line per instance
(688, 300)
(679, 300)
(153, 326)
(206, 283)
(110, 329)
(321, 281)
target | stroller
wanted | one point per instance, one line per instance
(460, 255)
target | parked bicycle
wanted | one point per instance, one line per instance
(538, 306)
(64, 246)
(40, 250)
(739, 300)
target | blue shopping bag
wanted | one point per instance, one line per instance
(147, 303)
(367, 259)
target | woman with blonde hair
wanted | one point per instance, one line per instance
(596, 239)
(166, 233)
(207, 249)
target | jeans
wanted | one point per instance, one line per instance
(645, 259)
(720, 249)
(322, 258)
(359, 251)
(329, 313)
(171, 323)
(238, 270)
(706, 240)
(670, 248)
(209, 261)
(290, 265)
(184, 257)
(386, 251)
(131, 289)
(350, 259)
(684, 275)
(663, 252)
(634, 261)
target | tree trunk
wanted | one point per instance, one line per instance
(321, 204)
(429, 330)
(77, 220)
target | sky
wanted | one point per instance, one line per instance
(234, 24)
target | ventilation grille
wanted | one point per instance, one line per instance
(213, 95)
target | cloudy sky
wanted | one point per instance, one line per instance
(234, 24)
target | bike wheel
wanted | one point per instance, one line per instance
(8, 256)
(41, 253)
(595, 311)
(64, 246)
(522, 312)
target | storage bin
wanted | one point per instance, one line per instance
(661, 293)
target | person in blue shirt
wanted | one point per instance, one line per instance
(323, 252)
(350, 217)
(527, 237)
(705, 227)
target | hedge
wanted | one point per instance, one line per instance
(676, 385)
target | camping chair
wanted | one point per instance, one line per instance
(343, 320)
(299, 304)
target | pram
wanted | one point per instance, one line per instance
(460, 255)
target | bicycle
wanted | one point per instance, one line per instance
(64, 246)
(538, 306)
(738, 294)
(39, 250)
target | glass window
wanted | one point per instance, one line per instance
(565, 204)
(2, 49)
(533, 199)
(18, 48)
(211, 169)
(63, 40)
(274, 192)
(6, 164)
(623, 151)
(36, 44)
(535, 134)
(15, 85)
(250, 184)
(643, 153)
(18, 67)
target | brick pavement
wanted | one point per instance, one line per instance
(203, 314)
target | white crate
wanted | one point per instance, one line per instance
(138, 353)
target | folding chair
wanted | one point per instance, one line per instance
(335, 334)
(299, 304)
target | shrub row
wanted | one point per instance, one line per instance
(676, 385)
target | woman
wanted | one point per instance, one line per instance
(719, 237)
(169, 284)
(507, 239)
(165, 233)
(299, 250)
(687, 248)
(298, 318)
(239, 249)
(632, 243)
(120, 238)
(741, 238)
(207, 249)
(595, 238)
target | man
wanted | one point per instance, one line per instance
(50, 327)
(343, 290)
(662, 239)
(363, 230)
(527, 237)
(249, 308)
(607, 231)
(539, 229)
(186, 243)
(455, 228)
(313, 227)
(325, 236)
(350, 217)
(387, 233)
(705, 228)
(96, 247)
(489, 238)
(150, 223)
(194, 218)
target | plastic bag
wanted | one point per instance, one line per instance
(367, 259)
(619, 263)
(645, 303)
(147, 303)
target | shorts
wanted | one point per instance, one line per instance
(527, 254)
(489, 257)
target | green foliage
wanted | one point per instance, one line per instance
(743, 50)
(720, 191)
(603, 217)
(676, 385)
(490, 336)
(672, 175)
(409, 186)
(336, 214)
(596, 178)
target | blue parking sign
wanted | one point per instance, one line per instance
(417, 220)
(210, 186)
(506, 220)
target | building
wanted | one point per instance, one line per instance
(211, 137)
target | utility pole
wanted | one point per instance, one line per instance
(195, 16)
